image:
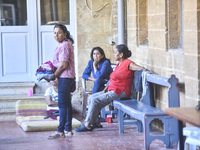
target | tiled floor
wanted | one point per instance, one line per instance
(12, 137)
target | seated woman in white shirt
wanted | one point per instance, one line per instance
(51, 97)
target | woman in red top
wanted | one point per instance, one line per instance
(119, 86)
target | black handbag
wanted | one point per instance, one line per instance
(73, 88)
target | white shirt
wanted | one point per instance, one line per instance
(54, 96)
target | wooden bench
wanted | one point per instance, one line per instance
(144, 113)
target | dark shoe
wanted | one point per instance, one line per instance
(97, 126)
(82, 129)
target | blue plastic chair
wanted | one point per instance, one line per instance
(193, 138)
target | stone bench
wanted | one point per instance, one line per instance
(145, 113)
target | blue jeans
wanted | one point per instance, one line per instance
(64, 104)
(99, 85)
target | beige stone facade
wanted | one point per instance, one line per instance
(162, 35)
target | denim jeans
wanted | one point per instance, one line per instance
(99, 85)
(64, 104)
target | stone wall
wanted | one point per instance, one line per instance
(94, 28)
(172, 42)
(191, 51)
(162, 35)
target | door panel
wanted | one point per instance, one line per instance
(15, 54)
(48, 49)
(14, 49)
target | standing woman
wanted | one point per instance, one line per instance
(63, 60)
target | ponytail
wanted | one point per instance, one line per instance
(64, 29)
(124, 49)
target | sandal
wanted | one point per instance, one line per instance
(68, 133)
(82, 129)
(56, 135)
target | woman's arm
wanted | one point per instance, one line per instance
(91, 78)
(133, 66)
(87, 71)
(59, 71)
(95, 63)
(105, 89)
(63, 66)
(50, 102)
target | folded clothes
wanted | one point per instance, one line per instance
(47, 66)
(43, 72)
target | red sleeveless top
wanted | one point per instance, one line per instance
(121, 79)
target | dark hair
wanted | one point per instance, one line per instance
(100, 51)
(64, 29)
(124, 49)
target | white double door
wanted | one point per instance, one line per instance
(24, 47)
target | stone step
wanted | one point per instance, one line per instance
(8, 102)
(4, 117)
(7, 88)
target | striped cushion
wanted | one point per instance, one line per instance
(31, 108)
(30, 116)
(45, 125)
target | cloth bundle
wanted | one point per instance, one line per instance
(45, 70)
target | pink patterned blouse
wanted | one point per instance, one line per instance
(65, 52)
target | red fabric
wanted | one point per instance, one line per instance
(50, 113)
(121, 79)
(47, 66)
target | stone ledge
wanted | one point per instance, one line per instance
(8, 117)
(15, 87)
(8, 102)
(16, 84)
(21, 97)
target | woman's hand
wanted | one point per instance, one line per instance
(144, 69)
(105, 89)
(95, 64)
(49, 78)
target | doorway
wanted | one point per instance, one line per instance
(26, 30)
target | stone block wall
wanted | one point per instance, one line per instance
(173, 45)
(162, 35)
(94, 28)
(191, 51)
